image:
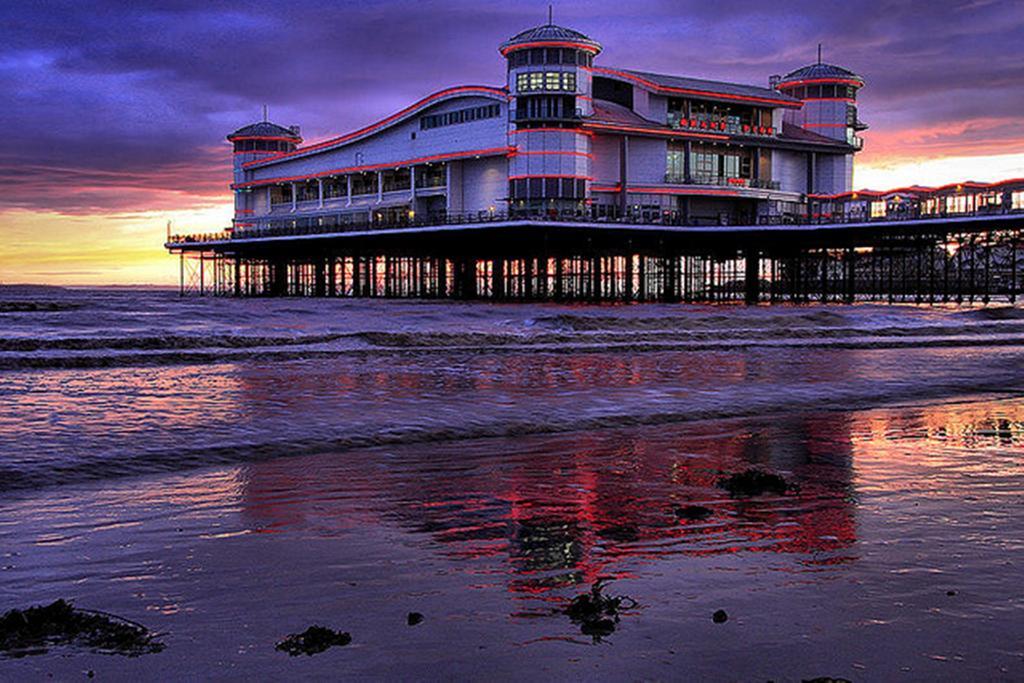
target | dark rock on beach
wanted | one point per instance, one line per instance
(313, 640)
(720, 617)
(414, 618)
(36, 629)
(597, 614)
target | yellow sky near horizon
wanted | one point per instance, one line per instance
(116, 249)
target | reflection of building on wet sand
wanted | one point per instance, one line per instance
(567, 509)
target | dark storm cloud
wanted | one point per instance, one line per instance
(111, 98)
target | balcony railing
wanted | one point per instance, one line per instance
(702, 179)
(665, 218)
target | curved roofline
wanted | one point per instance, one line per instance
(782, 100)
(821, 73)
(400, 116)
(264, 130)
(505, 50)
(549, 35)
(920, 189)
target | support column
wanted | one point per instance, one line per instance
(238, 276)
(498, 279)
(623, 175)
(442, 277)
(812, 163)
(687, 168)
(465, 274)
(295, 199)
(320, 278)
(752, 277)
(278, 278)
(320, 192)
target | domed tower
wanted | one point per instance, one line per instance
(257, 141)
(549, 79)
(829, 94)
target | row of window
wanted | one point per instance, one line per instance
(263, 146)
(395, 180)
(735, 116)
(546, 80)
(540, 107)
(816, 92)
(547, 188)
(550, 55)
(451, 118)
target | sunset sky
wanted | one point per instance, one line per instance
(116, 112)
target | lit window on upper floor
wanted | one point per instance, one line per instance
(549, 81)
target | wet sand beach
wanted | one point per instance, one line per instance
(227, 473)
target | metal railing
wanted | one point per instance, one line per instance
(593, 215)
(703, 179)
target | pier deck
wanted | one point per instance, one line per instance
(965, 258)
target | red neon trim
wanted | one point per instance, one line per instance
(1008, 182)
(550, 175)
(549, 153)
(578, 131)
(687, 91)
(494, 151)
(257, 151)
(848, 100)
(840, 81)
(657, 131)
(334, 142)
(549, 43)
(920, 191)
(667, 190)
(278, 138)
(245, 211)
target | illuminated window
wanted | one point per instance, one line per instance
(1017, 200)
(878, 209)
(546, 80)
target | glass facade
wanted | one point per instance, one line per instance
(822, 92)
(731, 118)
(451, 118)
(550, 55)
(551, 81)
(264, 146)
(709, 164)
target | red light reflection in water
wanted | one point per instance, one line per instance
(570, 508)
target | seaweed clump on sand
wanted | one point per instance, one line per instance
(597, 614)
(754, 482)
(34, 630)
(313, 640)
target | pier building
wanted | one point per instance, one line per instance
(576, 179)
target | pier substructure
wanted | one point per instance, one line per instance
(954, 264)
